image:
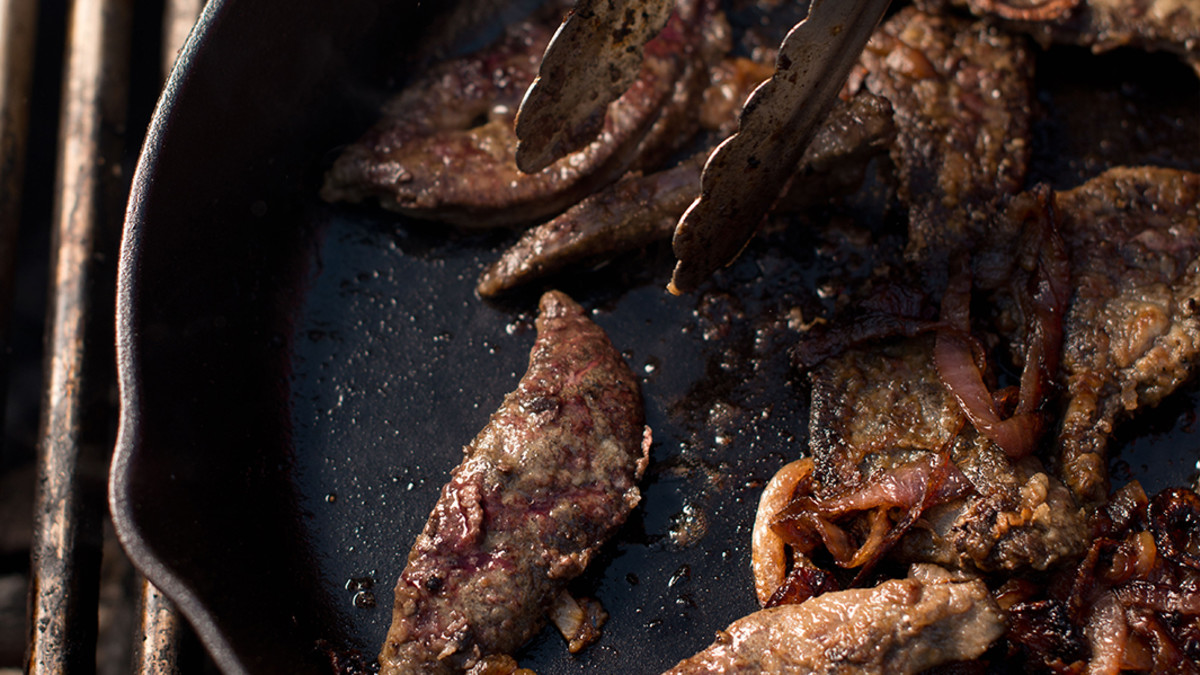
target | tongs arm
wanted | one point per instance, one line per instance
(745, 174)
(592, 59)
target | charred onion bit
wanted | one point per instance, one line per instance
(594, 57)
(804, 581)
(578, 620)
(747, 172)
(1043, 627)
(540, 489)
(1175, 520)
(1132, 604)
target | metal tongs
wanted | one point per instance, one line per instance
(592, 59)
(588, 65)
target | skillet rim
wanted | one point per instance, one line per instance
(129, 426)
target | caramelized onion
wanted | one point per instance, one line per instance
(1048, 293)
(1166, 655)
(1107, 632)
(1138, 607)
(768, 557)
(957, 369)
(804, 581)
(808, 522)
(1133, 559)
(1126, 505)
(1175, 520)
(802, 527)
(954, 355)
(1044, 303)
(930, 480)
(1160, 597)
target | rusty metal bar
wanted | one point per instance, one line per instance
(178, 18)
(75, 437)
(157, 647)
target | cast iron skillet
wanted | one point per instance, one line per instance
(297, 379)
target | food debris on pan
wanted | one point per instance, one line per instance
(984, 267)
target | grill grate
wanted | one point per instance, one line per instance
(101, 107)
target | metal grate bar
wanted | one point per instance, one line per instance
(76, 415)
(160, 629)
(178, 18)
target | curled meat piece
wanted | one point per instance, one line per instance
(1132, 330)
(539, 490)
(444, 148)
(641, 209)
(900, 626)
(889, 308)
(961, 95)
(633, 212)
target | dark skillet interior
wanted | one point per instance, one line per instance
(298, 378)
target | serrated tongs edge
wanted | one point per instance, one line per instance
(745, 174)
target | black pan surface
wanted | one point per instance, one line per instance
(297, 379)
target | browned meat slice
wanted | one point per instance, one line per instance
(869, 402)
(444, 148)
(877, 411)
(635, 211)
(961, 95)
(639, 210)
(1132, 332)
(901, 626)
(550, 477)
(1170, 25)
